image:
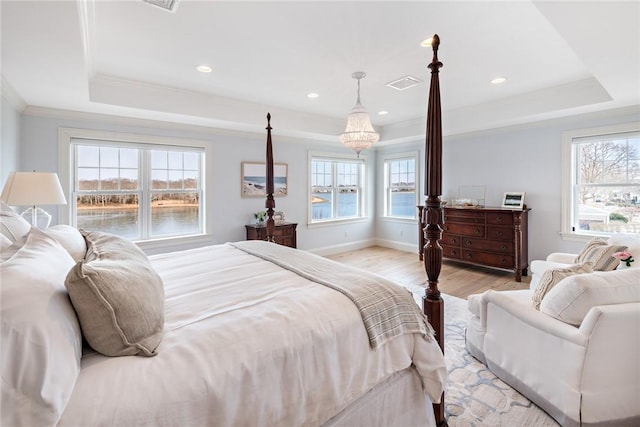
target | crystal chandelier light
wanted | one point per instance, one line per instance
(359, 134)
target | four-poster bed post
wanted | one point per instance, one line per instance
(270, 203)
(432, 303)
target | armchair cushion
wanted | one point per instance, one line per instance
(600, 252)
(572, 298)
(552, 277)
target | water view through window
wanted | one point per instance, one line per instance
(112, 196)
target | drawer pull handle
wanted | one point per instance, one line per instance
(499, 233)
(499, 219)
(504, 247)
(476, 231)
(468, 243)
(469, 256)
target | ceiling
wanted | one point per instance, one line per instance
(134, 59)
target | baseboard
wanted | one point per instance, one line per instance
(343, 247)
(361, 244)
(401, 246)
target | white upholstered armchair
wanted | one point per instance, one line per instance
(578, 357)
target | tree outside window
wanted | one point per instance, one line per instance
(606, 183)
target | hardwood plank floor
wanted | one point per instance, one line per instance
(457, 279)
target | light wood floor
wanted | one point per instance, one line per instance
(405, 268)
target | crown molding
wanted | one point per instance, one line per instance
(10, 94)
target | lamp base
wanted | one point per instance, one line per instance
(37, 217)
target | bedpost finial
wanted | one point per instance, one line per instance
(268, 121)
(436, 42)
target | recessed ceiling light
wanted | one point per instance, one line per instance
(312, 95)
(498, 80)
(383, 112)
(427, 43)
(204, 68)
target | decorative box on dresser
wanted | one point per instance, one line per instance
(491, 237)
(284, 234)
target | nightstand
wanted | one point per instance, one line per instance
(284, 234)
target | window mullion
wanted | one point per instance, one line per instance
(144, 214)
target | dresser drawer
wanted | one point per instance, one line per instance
(502, 233)
(464, 229)
(451, 252)
(448, 239)
(494, 260)
(499, 218)
(488, 245)
(283, 231)
(463, 216)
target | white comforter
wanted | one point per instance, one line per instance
(246, 343)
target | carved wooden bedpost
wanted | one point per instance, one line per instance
(432, 303)
(270, 203)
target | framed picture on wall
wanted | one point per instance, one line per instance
(513, 200)
(253, 181)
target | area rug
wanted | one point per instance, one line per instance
(475, 397)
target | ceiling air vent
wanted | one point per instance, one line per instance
(404, 83)
(169, 5)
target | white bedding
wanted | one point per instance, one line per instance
(246, 343)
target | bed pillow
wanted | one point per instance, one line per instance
(4, 242)
(12, 225)
(70, 239)
(118, 296)
(600, 253)
(41, 340)
(571, 299)
(553, 276)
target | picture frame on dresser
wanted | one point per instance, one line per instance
(513, 200)
(253, 179)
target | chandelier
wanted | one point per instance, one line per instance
(359, 134)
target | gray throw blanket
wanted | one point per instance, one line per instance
(387, 309)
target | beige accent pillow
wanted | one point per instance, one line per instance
(118, 296)
(553, 276)
(600, 253)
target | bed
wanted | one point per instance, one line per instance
(94, 333)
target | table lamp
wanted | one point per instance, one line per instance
(31, 189)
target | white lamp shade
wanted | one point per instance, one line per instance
(33, 188)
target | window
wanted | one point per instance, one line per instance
(336, 189)
(141, 191)
(400, 197)
(602, 181)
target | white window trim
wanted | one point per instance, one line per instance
(363, 196)
(568, 171)
(405, 155)
(65, 157)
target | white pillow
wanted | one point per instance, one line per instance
(5, 242)
(70, 239)
(572, 298)
(12, 225)
(553, 276)
(41, 340)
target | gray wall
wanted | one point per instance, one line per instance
(525, 158)
(39, 150)
(9, 159)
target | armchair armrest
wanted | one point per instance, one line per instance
(534, 318)
(562, 257)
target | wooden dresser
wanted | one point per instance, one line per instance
(491, 237)
(284, 234)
